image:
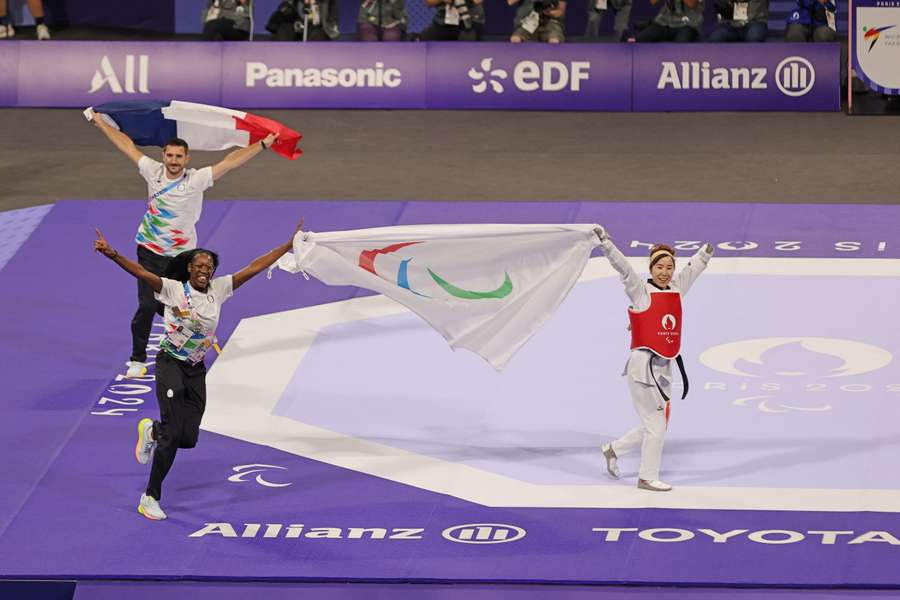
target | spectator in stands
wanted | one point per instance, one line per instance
(454, 20)
(226, 20)
(813, 19)
(382, 20)
(539, 21)
(741, 21)
(37, 11)
(318, 19)
(677, 21)
(597, 8)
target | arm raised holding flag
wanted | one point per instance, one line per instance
(232, 161)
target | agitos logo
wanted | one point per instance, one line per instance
(871, 34)
(367, 262)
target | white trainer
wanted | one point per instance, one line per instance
(611, 460)
(149, 507)
(654, 485)
(43, 33)
(135, 368)
(7, 31)
(145, 443)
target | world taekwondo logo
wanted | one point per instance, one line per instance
(136, 73)
(872, 34)
(793, 374)
(242, 471)
(493, 76)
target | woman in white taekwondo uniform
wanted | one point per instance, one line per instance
(192, 300)
(655, 324)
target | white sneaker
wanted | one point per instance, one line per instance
(7, 31)
(149, 507)
(136, 369)
(42, 32)
(611, 459)
(145, 443)
(654, 485)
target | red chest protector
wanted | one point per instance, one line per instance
(658, 327)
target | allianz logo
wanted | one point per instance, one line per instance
(530, 76)
(472, 533)
(130, 77)
(376, 76)
(794, 76)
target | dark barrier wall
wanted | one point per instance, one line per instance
(158, 15)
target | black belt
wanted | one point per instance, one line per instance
(684, 378)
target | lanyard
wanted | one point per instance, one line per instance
(187, 295)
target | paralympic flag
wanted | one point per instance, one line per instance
(486, 288)
(203, 127)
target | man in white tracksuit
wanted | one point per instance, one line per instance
(655, 317)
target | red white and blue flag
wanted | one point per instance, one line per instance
(203, 127)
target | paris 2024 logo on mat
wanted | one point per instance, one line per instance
(795, 374)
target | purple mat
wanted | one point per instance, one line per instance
(71, 476)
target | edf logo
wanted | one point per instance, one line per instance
(530, 76)
(483, 533)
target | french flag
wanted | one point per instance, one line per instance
(203, 127)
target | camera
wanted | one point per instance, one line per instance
(465, 17)
(542, 5)
(725, 9)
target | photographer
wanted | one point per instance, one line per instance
(597, 8)
(741, 21)
(677, 21)
(226, 20)
(539, 21)
(306, 20)
(382, 20)
(461, 20)
(812, 19)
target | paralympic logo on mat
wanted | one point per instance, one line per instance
(242, 471)
(785, 359)
(367, 262)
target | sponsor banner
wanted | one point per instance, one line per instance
(55, 74)
(604, 77)
(876, 45)
(526, 76)
(9, 63)
(672, 77)
(334, 75)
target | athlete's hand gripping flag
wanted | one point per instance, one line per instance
(486, 288)
(203, 127)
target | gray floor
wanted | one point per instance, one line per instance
(53, 154)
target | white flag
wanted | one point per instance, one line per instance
(486, 288)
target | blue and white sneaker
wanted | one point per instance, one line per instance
(145, 442)
(149, 507)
